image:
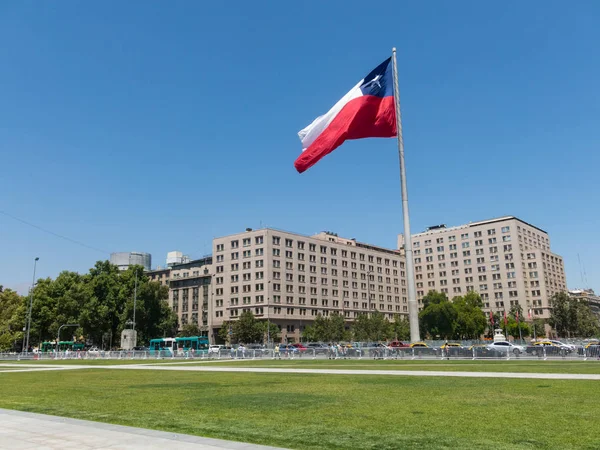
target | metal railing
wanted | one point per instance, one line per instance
(475, 352)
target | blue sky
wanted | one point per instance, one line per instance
(154, 127)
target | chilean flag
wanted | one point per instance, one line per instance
(366, 111)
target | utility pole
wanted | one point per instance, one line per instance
(26, 343)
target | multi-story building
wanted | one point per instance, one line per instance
(125, 259)
(506, 260)
(290, 278)
(189, 290)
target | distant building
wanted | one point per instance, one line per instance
(506, 260)
(290, 279)
(189, 289)
(589, 296)
(174, 258)
(125, 259)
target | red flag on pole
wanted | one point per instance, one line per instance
(491, 318)
(529, 313)
(505, 319)
(517, 316)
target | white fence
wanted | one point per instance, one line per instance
(332, 353)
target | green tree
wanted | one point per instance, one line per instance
(361, 328)
(226, 332)
(189, 329)
(246, 329)
(401, 328)
(538, 328)
(438, 317)
(513, 328)
(514, 309)
(381, 328)
(153, 316)
(106, 297)
(586, 322)
(372, 327)
(337, 327)
(471, 321)
(273, 334)
(12, 319)
(570, 317)
(561, 316)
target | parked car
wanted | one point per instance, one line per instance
(258, 349)
(570, 347)
(550, 347)
(506, 347)
(301, 348)
(288, 348)
(398, 344)
(215, 349)
(319, 349)
(419, 345)
(93, 351)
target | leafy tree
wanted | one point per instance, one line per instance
(361, 328)
(102, 303)
(470, 318)
(561, 317)
(586, 322)
(513, 328)
(401, 328)
(514, 309)
(226, 331)
(372, 327)
(190, 329)
(538, 328)
(274, 333)
(438, 317)
(380, 327)
(570, 317)
(337, 327)
(246, 328)
(12, 319)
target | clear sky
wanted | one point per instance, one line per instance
(154, 126)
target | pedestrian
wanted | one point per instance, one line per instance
(276, 353)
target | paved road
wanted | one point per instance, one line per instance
(22, 430)
(404, 373)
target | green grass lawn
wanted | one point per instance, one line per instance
(444, 365)
(91, 362)
(323, 411)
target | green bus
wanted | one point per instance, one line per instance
(62, 346)
(163, 346)
(197, 344)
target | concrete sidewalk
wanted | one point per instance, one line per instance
(22, 430)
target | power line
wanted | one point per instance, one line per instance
(53, 233)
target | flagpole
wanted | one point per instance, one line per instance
(413, 309)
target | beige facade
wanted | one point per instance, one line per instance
(506, 260)
(290, 278)
(189, 290)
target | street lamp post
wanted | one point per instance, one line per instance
(31, 302)
(134, 301)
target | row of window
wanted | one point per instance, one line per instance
(300, 245)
